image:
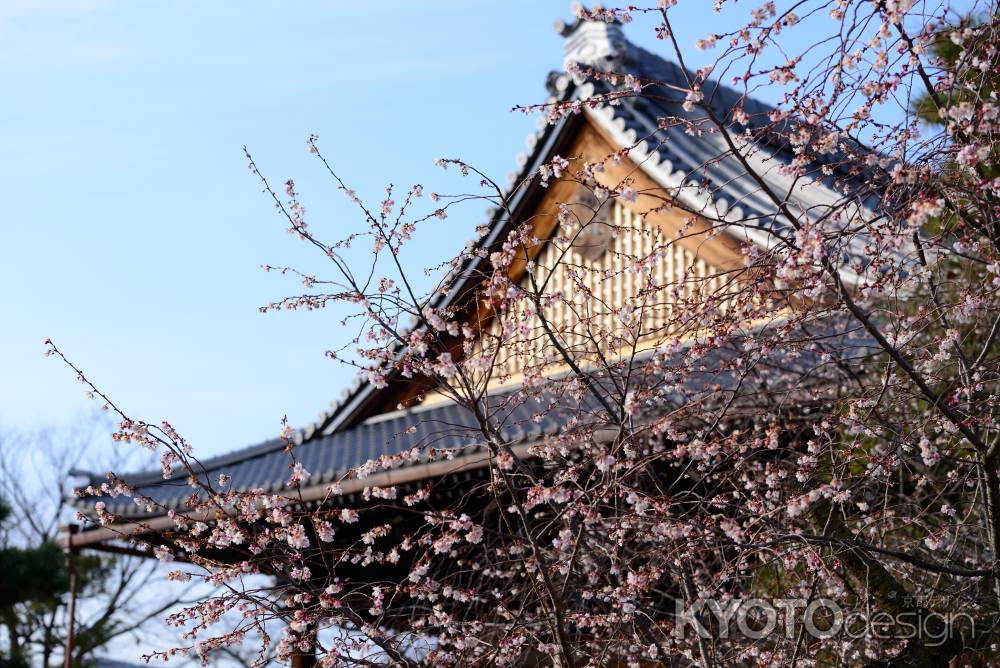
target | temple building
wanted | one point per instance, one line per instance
(693, 169)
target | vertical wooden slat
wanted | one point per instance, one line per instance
(612, 282)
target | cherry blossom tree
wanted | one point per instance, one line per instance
(813, 423)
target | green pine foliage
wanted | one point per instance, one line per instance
(971, 85)
(34, 586)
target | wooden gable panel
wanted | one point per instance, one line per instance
(652, 202)
(619, 294)
(658, 256)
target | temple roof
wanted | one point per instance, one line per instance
(802, 375)
(687, 166)
(350, 433)
(327, 458)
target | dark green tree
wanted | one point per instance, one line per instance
(946, 56)
(954, 53)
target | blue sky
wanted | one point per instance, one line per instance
(132, 233)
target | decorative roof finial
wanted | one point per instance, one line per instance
(594, 44)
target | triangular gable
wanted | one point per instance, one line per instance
(641, 231)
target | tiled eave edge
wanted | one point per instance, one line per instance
(408, 474)
(687, 193)
(541, 144)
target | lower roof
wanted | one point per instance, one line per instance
(523, 419)
(445, 426)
